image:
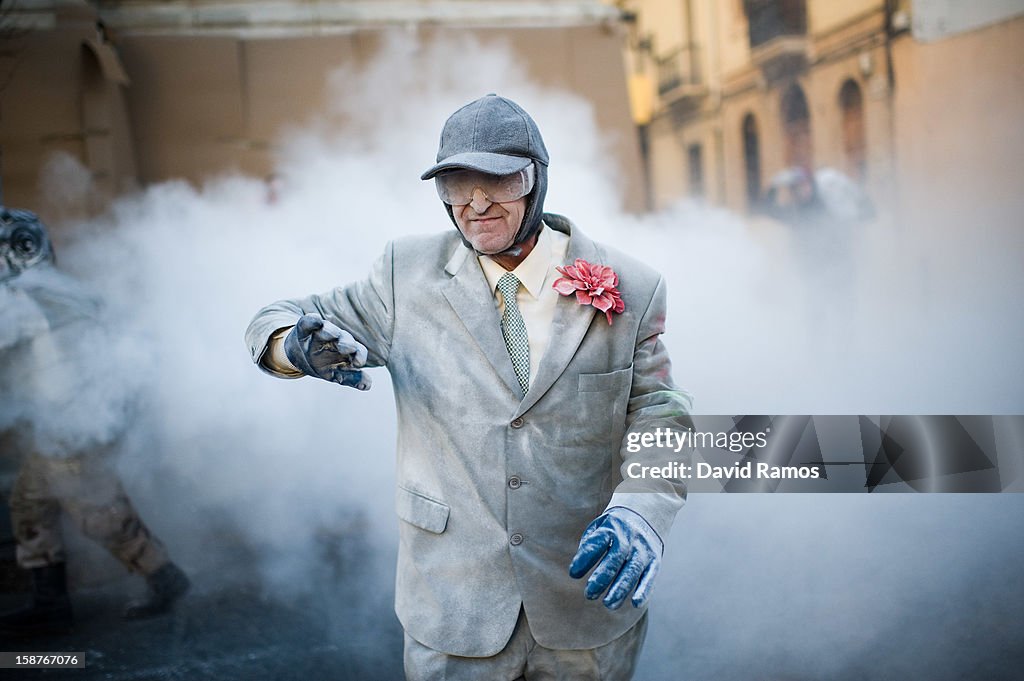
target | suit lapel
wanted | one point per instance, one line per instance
(568, 327)
(469, 295)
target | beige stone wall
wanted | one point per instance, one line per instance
(667, 164)
(959, 138)
(664, 20)
(26, 137)
(730, 40)
(63, 93)
(202, 103)
(215, 102)
(827, 15)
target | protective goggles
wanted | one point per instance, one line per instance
(456, 187)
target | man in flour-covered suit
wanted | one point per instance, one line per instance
(522, 354)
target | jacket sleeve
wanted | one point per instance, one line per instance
(654, 402)
(364, 308)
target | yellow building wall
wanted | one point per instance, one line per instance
(944, 131)
(664, 20)
(959, 138)
(825, 15)
(731, 36)
(667, 165)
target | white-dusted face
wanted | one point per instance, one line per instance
(490, 227)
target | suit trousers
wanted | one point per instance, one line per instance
(523, 659)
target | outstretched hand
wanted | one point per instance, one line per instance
(319, 348)
(627, 553)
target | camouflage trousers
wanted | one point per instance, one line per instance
(93, 498)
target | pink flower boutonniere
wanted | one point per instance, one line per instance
(593, 285)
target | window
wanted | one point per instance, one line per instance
(695, 166)
(851, 106)
(796, 121)
(751, 160)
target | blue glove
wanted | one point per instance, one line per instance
(627, 552)
(319, 348)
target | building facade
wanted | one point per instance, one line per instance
(142, 91)
(728, 93)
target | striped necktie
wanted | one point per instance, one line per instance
(514, 330)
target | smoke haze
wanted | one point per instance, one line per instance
(760, 321)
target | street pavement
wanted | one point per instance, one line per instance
(231, 625)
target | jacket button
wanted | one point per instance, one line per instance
(514, 482)
(517, 422)
(516, 539)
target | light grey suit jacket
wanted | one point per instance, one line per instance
(494, 488)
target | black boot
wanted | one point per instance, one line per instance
(50, 612)
(166, 585)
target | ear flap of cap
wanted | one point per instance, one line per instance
(534, 205)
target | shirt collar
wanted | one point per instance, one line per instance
(531, 272)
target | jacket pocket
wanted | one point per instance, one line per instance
(421, 511)
(598, 413)
(593, 383)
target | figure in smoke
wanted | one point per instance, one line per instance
(826, 212)
(65, 415)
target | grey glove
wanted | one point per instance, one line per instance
(627, 553)
(319, 348)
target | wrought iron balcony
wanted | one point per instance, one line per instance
(679, 73)
(770, 19)
(778, 36)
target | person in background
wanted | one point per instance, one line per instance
(64, 421)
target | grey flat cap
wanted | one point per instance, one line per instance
(491, 134)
